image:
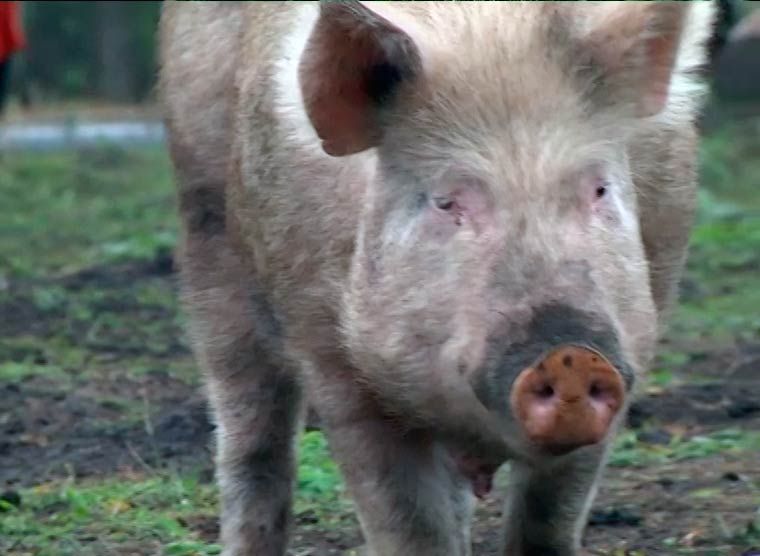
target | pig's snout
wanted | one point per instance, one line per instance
(568, 399)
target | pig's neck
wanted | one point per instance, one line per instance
(303, 206)
(306, 216)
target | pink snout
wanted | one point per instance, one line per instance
(567, 400)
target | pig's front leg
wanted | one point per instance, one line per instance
(410, 499)
(547, 506)
(409, 494)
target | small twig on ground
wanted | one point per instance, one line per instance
(149, 430)
(71, 476)
(146, 413)
(139, 459)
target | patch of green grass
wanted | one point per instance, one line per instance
(743, 537)
(630, 452)
(49, 298)
(320, 487)
(705, 493)
(153, 514)
(184, 368)
(27, 356)
(748, 534)
(191, 548)
(47, 355)
(724, 259)
(71, 328)
(71, 210)
(661, 377)
(664, 372)
(730, 165)
(12, 371)
(85, 519)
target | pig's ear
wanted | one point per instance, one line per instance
(353, 66)
(637, 44)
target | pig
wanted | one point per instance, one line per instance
(454, 229)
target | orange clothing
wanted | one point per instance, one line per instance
(11, 33)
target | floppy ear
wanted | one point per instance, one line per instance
(353, 66)
(636, 44)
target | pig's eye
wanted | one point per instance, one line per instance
(443, 203)
(601, 190)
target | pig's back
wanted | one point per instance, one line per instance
(200, 45)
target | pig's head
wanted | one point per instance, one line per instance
(499, 245)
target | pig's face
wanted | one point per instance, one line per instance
(501, 223)
(479, 258)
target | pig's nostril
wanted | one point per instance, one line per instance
(546, 392)
(595, 390)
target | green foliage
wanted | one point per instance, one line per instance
(320, 475)
(630, 452)
(86, 518)
(73, 210)
(13, 371)
(65, 57)
(49, 298)
(191, 548)
(320, 487)
(724, 258)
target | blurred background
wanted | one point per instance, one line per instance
(104, 437)
(99, 52)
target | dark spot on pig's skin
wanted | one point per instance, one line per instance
(204, 210)
(266, 319)
(567, 361)
(282, 518)
(263, 463)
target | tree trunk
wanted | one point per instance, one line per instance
(115, 49)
